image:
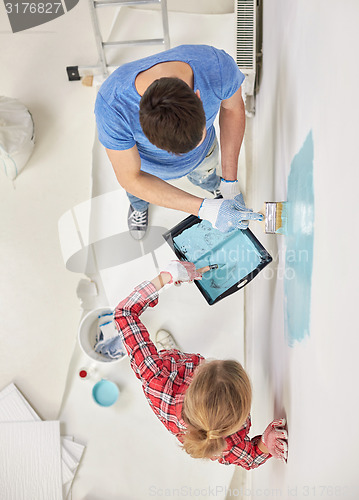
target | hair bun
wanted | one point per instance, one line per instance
(213, 435)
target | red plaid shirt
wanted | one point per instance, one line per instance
(165, 376)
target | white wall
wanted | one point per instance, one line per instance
(309, 82)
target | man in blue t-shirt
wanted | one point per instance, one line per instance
(155, 118)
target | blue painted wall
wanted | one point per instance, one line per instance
(299, 243)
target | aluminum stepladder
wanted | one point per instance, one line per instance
(102, 68)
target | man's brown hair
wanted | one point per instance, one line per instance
(172, 116)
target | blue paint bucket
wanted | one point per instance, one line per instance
(105, 393)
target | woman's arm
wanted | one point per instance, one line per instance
(144, 358)
(243, 450)
(262, 447)
(161, 280)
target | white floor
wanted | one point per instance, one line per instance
(39, 309)
(40, 312)
(309, 82)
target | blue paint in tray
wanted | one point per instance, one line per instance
(235, 255)
(239, 255)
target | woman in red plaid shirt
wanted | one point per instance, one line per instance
(205, 404)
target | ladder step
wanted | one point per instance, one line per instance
(114, 3)
(150, 41)
(102, 66)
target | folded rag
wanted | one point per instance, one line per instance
(108, 342)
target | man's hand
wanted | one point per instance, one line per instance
(227, 215)
(229, 189)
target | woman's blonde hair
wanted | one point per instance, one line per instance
(216, 404)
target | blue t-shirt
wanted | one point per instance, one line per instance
(216, 76)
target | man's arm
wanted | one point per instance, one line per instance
(127, 167)
(232, 125)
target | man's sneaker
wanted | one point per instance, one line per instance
(137, 223)
(217, 193)
(164, 340)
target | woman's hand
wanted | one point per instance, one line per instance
(275, 440)
(183, 272)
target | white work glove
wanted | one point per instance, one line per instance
(181, 271)
(275, 439)
(227, 215)
(229, 189)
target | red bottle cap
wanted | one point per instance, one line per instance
(83, 373)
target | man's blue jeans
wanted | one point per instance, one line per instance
(204, 176)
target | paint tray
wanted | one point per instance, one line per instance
(239, 255)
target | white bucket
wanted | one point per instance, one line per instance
(87, 336)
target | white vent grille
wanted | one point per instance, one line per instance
(246, 41)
